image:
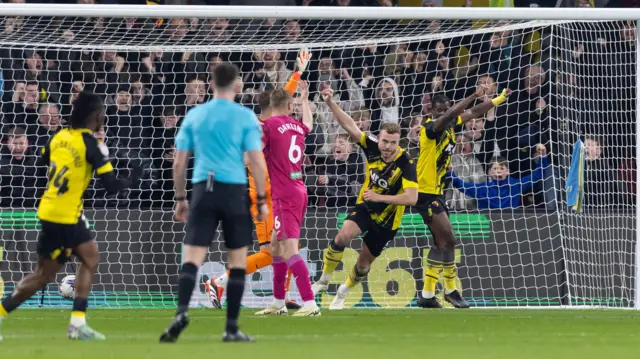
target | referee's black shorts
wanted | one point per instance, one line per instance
(226, 203)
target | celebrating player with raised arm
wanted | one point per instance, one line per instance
(219, 133)
(437, 139)
(284, 150)
(390, 186)
(215, 286)
(72, 154)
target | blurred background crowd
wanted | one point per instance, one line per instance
(568, 81)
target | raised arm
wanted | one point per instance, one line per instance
(345, 121)
(307, 114)
(451, 116)
(302, 61)
(480, 110)
(527, 182)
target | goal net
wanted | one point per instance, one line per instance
(570, 80)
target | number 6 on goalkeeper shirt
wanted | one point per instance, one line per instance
(284, 148)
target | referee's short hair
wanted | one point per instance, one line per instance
(84, 106)
(225, 75)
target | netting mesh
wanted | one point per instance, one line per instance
(570, 80)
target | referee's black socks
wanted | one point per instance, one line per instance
(186, 283)
(235, 288)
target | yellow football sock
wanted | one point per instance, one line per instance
(78, 314)
(332, 257)
(3, 312)
(431, 277)
(450, 274)
(355, 277)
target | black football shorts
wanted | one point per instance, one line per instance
(430, 204)
(57, 241)
(212, 203)
(376, 237)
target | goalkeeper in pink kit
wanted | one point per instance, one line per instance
(283, 140)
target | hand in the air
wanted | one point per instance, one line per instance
(304, 56)
(480, 91)
(541, 151)
(327, 95)
(303, 88)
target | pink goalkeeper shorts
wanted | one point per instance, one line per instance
(288, 216)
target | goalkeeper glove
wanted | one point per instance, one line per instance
(502, 98)
(302, 61)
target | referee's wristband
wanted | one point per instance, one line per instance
(261, 199)
(180, 198)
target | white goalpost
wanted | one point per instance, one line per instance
(573, 73)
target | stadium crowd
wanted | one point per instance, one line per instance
(569, 87)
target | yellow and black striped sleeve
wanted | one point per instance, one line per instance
(97, 155)
(409, 175)
(432, 133)
(369, 144)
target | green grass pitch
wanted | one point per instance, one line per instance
(358, 334)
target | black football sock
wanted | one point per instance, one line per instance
(186, 283)
(80, 305)
(235, 288)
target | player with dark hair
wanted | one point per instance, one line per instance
(437, 139)
(219, 133)
(264, 229)
(72, 154)
(391, 185)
